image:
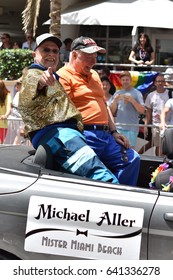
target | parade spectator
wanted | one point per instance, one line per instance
(5, 109)
(17, 126)
(6, 41)
(166, 117)
(15, 101)
(52, 120)
(65, 51)
(155, 102)
(105, 71)
(85, 89)
(107, 85)
(17, 45)
(142, 53)
(127, 104)
(168, 75)
(30, 42)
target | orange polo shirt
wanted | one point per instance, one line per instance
(86, 93)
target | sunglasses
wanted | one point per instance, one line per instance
(3, 38)
(47, 50)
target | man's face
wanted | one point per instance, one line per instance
(85, 61)
(126, 82)
(4, 38)
(47, 54)
(29, 37)
(160, 83)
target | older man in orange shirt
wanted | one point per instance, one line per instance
(84, 88)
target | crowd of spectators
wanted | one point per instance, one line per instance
(141, 54)
(8, 43)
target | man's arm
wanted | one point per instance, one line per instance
(114, 105)
(163, 117)
(148, 119)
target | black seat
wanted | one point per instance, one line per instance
(167, 143)
(43, 157)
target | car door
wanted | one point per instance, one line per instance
(88, 193)
(161, 228)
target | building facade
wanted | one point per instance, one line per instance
(118, 40)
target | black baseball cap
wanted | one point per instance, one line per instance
(86, 45)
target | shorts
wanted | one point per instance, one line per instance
(131, 136)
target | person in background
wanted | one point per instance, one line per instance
(64, 52)
(142, 53)
(16, 127)
(105, 72)
(127, 104)
(155, 102)
(15, 101)
(5, 109)
(107, 88)
(17, 45)
(84, 87)
(168, 75)
(52, 120)
(30, 42)
(6, 41)
(166, 117)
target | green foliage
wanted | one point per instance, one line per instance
(12, 62)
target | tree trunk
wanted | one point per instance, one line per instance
(55, 17)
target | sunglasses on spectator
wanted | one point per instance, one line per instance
(47, 50)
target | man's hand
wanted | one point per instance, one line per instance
(128, 98)
(121, 139)
(47, 79)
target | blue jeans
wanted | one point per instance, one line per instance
(70, 151)
(109, 152)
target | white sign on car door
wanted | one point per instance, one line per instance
(83, 229)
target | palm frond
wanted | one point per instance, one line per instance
(30, 15)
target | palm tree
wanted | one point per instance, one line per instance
(31, 12)
(55, 16)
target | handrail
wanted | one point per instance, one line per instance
(142, 125)
(15, 126)
(115, 65)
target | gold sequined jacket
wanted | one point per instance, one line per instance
(40, 108)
